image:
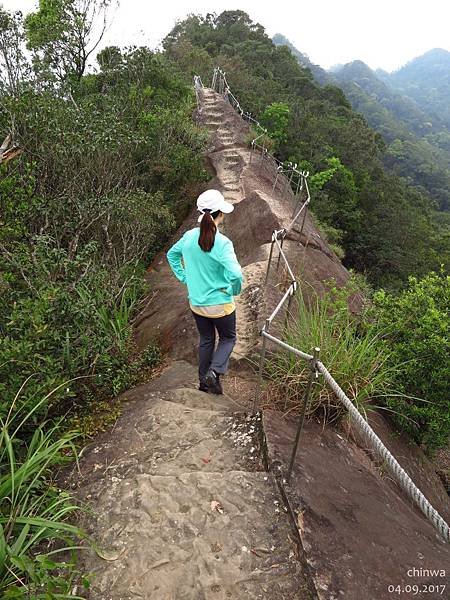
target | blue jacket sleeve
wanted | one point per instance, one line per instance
(174, 256)
(233, 271)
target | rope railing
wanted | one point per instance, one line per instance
(298, 181)
(316, 368)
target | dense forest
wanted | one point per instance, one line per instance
(103, 161)
(417, 134)
(418, 142)
(385, 226)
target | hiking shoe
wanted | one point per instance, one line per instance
(203, 386)
(212, 380)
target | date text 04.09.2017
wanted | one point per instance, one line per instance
(416, 589)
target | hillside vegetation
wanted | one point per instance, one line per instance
(386, 227)
(110, 164)
(418, 141)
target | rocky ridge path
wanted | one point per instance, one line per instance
(182, 502)
(247, 182)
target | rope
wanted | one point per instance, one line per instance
(399, 473)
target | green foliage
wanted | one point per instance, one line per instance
(114, 170)
(13, 63)
(416, 137)
(107, 172)
(417, 324)
(98, 411)
(37, 544)
(318, 180)
(62, 35)
(354, 355)
(276, 119)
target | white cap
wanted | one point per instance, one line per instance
(213, 200)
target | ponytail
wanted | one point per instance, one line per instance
(208, 230)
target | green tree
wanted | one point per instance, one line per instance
(13, 64)
(276, 119)
(63, 34)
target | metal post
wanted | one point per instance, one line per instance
(261, 367)
(296, 205)
(286, 181)
(252, 150)
(288, 307)
(279, 254)
(313, 375)
(290, 178)
(262, 159)
(275, 182)
(301, 228)
(269, 261)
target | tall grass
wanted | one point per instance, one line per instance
(37, 544)
(351, 350)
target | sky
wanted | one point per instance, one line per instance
(383, 33)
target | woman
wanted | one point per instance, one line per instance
(213, 276)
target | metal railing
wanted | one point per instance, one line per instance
(317, 368)
(298, 181)
(198, 87)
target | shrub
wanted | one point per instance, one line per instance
(276, 118)
(353, 355)
(37, 544)
(417, 324)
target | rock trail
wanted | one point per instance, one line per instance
(180, 496)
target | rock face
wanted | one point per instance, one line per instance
(187, 491)
(360, 535)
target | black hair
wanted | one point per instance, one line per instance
(208, 230)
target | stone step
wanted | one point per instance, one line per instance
(210, 112)
(211, 536)
(169, 438)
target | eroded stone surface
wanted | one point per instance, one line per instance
(175, 542)
(359, 534)
(180, 504)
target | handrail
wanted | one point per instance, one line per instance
(221, 86)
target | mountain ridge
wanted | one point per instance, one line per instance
(416, 131)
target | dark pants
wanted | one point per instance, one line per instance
(208, 358)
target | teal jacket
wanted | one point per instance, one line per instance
(211, 277)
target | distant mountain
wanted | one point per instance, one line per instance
(389, 112)
(320, 75)
(409, 108)
(418, 138)
(426, 80)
